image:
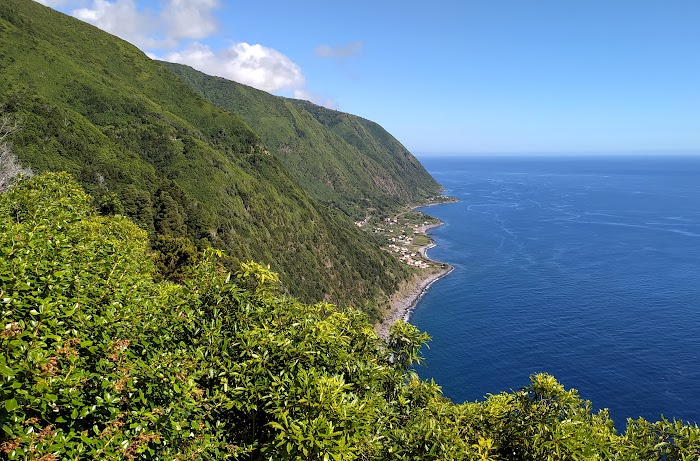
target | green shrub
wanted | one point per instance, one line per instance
(99, 361)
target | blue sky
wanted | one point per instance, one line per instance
(449, 76)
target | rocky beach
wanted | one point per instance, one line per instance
(404, 300)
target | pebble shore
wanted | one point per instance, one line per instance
(402, 302)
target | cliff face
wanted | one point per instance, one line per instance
(340, 159)
(145, 144)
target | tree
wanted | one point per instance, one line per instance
(175, 257)
(169, 218)
(109, 204)
(138, 206)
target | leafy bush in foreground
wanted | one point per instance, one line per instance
(99, 361)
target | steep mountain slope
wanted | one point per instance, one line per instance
(341, 159)
(144, 144)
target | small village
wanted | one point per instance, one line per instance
(405, 234)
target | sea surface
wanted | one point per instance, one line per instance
(587, 268)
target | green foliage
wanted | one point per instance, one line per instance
(175, 257)
(663, 440)
(138, 206)
(405, 342)
(342, 160)
(257, 278)
(99, 361)
(110, 204)
(147, 146)
(90, 348)
(168, 217)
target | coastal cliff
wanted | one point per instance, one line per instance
(193, 175)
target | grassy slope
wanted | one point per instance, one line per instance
(95, 106)
(339, 158)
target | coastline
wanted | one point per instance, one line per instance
(404, 300)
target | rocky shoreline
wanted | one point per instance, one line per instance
(402, 302)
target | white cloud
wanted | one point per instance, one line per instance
(315, 98)
(190, 18)
(180, 21)
(52, 3)
(339, 51)
(177, 20)
(255, 65)
(123, 19)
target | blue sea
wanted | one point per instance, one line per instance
(587, 268)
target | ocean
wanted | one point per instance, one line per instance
(587, 268)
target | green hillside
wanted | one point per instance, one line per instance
(145, 145)
(341, 159)
(98, 361)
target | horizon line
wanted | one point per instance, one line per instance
(560, 153)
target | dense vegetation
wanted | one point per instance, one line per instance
(98, 360)
(126, 331)
(343, 160)
(192, 175)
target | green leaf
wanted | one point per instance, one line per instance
(6, 371)
(11, 405)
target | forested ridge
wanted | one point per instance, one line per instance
(99, 360)
(341, 159)
(193, 175)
